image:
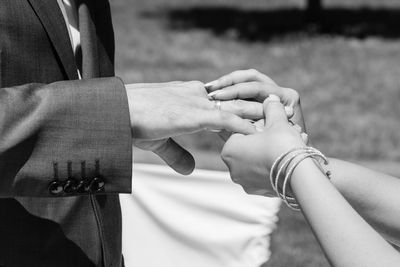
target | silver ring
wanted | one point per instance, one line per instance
(217, 104)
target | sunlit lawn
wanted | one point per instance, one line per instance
(350, 87)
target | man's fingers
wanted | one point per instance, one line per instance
(222, 120)
(244, 109)
(175, 156)
(274, 110)
(235, 77)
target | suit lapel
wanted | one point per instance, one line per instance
(52, 20)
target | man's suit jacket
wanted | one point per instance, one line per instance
(65, 144)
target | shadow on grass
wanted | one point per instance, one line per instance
(263, 25)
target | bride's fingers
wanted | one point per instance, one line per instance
(298, 128)
(303, 135)
(260, 125)
(289, 111)
(256, 90)
(305, 138)
(238, 76)
(244, 109)
(274, 111)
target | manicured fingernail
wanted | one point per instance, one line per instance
(273, 98)
(210, 84)
(304, 136)
(289, 111)
(213, 94)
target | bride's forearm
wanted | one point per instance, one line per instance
(374, 195)
(344, 236)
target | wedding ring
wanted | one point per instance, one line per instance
(217, 104)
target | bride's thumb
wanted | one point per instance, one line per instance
(274, 111)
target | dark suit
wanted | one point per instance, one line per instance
(52, 215)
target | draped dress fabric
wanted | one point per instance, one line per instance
(204, 219)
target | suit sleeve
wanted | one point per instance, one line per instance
(65, 139)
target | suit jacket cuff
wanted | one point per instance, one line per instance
(83, 134)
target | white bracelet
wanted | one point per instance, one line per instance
(284, 166)
(289, 174)
(294, 153)
(276, 164)
(299, 153)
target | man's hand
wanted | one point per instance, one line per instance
(162, 110)
(170, 109)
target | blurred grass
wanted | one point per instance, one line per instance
(349, 86)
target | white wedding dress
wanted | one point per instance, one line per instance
(201, 220)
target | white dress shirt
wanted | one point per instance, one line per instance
(70, 13)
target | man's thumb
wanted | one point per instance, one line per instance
(171, 152)
(274, 111)
(176, 157)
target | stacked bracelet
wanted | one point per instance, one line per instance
(284, 167)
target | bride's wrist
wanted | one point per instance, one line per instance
(302, 170)
(297, 162)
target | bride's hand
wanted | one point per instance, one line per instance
(251, 84)
(250, 157)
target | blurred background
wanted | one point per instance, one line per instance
(342, 56)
